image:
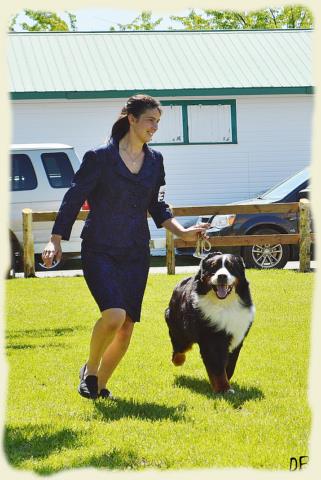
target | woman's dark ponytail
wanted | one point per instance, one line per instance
(135, 105)
(121, 126)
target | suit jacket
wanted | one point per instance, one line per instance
(118, 199)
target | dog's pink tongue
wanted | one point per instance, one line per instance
(221, 291)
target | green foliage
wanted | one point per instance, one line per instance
(72, 20)
(296, 17)
(193, 21)
(164, 417)
(44, 21)
(142, 22)
(13, 22)
(293, 16)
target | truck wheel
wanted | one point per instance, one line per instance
(11, 272)
(266, 256)
(15, 259)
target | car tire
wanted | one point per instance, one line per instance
(15, 259)
(276, 256)
(11, 272)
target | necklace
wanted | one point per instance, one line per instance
(132, 158)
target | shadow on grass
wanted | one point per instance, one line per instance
(27, 346)
(32, 441)
(44, 332)
(116, 409)
(241, 395)
(117, 459)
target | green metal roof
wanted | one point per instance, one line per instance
(163, 63)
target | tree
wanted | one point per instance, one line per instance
(72, 20)
(297, 17)
(44, 21)
(13, 21)
(142, 22)
(292, 16)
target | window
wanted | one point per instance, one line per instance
(197, 122)
(58, 169)
(209, 123)
(171, 125)
(23, 175)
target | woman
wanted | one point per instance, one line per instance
(121, 181)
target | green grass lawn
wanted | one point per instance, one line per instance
(164, 417)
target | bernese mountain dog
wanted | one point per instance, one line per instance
(214, 309)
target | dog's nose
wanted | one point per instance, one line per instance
(222, 279)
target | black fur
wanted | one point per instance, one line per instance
(188, 324)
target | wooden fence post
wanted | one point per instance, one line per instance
(170, 253)
(305, 235)
(28, 248)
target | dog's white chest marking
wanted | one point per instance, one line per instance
(228, 315)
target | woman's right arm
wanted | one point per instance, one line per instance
(84, 181)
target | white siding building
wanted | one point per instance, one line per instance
(238, 105)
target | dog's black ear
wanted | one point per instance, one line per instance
(242, 288)
(201, 283)
(199, 275)
(240, 261)
(200, 278)
(239, 266)
(205, 259)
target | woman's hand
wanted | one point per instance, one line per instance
(52, 251)
(192, 233)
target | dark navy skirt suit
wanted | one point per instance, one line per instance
(115, 247)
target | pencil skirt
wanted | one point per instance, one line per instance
(116, 276)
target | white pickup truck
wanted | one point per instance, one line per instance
(40, 176)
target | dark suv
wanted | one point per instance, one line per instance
(262, 256)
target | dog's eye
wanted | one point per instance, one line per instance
(230, 266)
(214, 265)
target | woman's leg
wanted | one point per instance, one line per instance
(114, 352)
(103, 335)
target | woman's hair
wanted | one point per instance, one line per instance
(136, 105)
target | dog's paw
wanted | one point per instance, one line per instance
(178, 359)
(230, 391)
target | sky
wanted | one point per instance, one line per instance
(104, 18)
(89, 19)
